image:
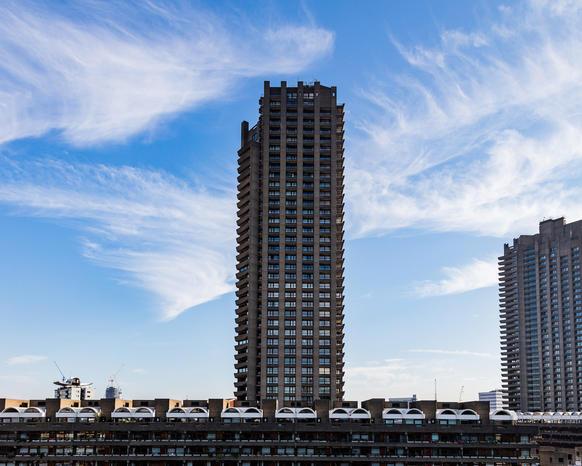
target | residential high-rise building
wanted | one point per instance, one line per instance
(541, 318)
(289, 333)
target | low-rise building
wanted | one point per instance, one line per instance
(496, 399)
(226, 431)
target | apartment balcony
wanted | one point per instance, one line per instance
(242, 257)
(244, 166)
(243, 229)
(242, 360)
(241, 364)
(245, 175)
(242, 301)
(242, 319)
(242, 274)
(242, 290)
(242, 346)
(243, 195)
(240, 384)
(241, 204)
(242, 328)
(242, 282)
(242, 245)
(241, 378)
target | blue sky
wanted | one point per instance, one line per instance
(118, 136)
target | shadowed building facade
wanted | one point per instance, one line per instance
(541, 318)
(289, 322)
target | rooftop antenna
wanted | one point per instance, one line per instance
(435, 395)
(59, 369)
(461, 393)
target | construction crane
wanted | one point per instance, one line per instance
(112, 391)
(114, 376)
(59, 369)
(461, 393)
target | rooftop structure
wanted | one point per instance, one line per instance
(74, 389)
(495, 398)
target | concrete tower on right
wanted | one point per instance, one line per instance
(540, 293)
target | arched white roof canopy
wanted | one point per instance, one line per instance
(349, 413)
(414, 413)
(339, 413)
(13, 410)
(398, 413)
(35, 410)
(90, 410)
(503, 415)
(21, 412)
(448, 414)
(467, 415)
(295, 413)
(177, 410)
(142, 412)
(242, 412)
(67, 412)
(187, 413)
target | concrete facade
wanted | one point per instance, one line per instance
(289, 334)
(540, 294)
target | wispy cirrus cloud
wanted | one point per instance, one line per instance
(25, 359)
(484, 135)
(454, 353)
(472, 276)
(170, 237)
(98, 71)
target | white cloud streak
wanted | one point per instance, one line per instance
(98, 71)
(483, 136)
(406, 376)
(25, 359)
(393, 377)
(169, 237)
(477, 274)
(454, 353)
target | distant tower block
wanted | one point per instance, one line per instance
(113, 392)
(73, 389)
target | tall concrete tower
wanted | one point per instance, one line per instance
(541, 318)
(290, 245)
